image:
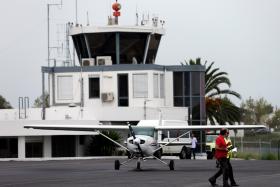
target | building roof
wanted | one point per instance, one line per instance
(116, 28)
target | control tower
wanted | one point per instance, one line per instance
(114, 44)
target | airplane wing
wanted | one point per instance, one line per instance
(77, 127)
(208, 127)
(125, 127)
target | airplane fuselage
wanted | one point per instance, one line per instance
(147, 144)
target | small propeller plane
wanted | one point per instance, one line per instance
(142, 143)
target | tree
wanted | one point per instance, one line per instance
(222, 111)
(4, 104)
(255, 111)
(101, 146)
(219, 108)
(38, 103)
(274, 122)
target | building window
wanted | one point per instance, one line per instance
(188, 91)
(8, 147)
(158, 80)
(161, 89)
(195, 83)
(65, 87)
(123, 99)
(140, 85)
(156, 86)
(94, 87)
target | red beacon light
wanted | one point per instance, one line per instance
(116, 7)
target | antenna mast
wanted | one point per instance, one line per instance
(48, 18)
(76, 7)
(87, 19)
(76, 23)
(137, 16)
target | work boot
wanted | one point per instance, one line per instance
(212, 181)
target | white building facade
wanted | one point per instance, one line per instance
(116, 81)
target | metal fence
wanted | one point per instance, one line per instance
(258, 147)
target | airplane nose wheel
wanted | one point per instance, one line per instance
(138, 165)
(171, 165)
(117, 164)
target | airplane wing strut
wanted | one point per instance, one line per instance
(112, 140)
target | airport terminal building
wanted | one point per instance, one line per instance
(116, 81)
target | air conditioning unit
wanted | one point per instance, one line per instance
(107, 97)
(103, 60)
(88, 62)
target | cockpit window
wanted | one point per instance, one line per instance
(148, 131)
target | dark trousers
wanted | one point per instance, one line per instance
(230, 173)
(224, 169)
(193, 152)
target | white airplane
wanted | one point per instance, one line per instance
(142, 143)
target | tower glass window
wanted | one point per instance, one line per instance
(132, 47)
(188, 91)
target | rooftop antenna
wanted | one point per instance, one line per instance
(76, 10)
(87, 19)
(43, 86)
(162, 22)
(68, 58)
(137, 16)
(76, 23)
(48, 27)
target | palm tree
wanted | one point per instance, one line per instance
(219, 108)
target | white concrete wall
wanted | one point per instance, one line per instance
(80, 149)
(95, 109)
(169, 89)
(47, 146)
(21, 147)
(108, 83)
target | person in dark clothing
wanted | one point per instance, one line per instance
(221, 152)
(229, 155)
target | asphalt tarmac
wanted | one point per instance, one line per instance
(100, 172)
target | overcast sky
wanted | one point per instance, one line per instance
(241, 36)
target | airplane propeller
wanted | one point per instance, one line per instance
(136, 141)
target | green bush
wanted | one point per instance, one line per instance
(247, 156)
(255, 156)
(269, 156)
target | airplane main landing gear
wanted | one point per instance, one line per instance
(171, 165)
(138, 165)
(117, 164)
